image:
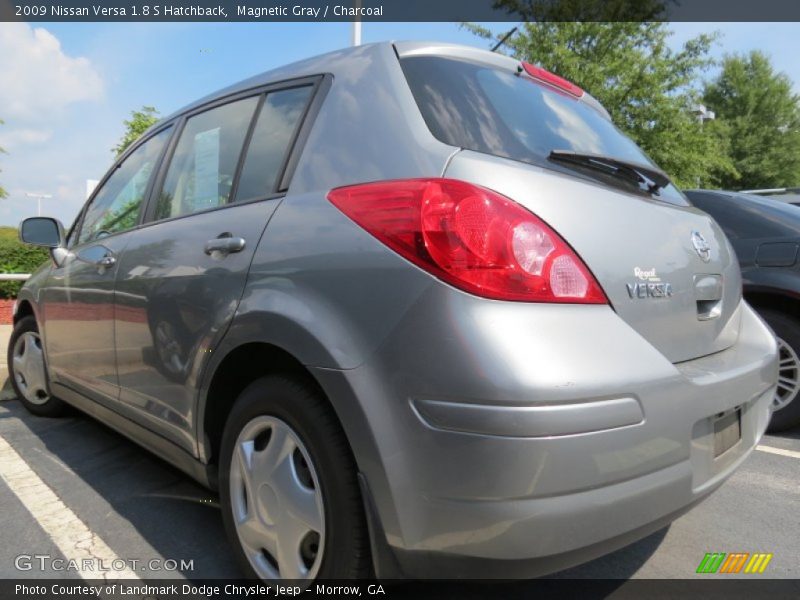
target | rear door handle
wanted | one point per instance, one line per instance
(224, 245)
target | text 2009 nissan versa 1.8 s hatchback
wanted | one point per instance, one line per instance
(414, 308)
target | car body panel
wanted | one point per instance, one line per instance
(77, 309)
(501, 497)
(174, 303)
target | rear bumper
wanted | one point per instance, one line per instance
(503, 442)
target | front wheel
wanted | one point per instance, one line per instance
(785, 404)
(290, 496)
(28, 373)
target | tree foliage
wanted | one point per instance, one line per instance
(140, 121)
(763, 115)
(540, 11)
(649, 89)
(16, 257)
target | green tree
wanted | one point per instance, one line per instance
(763, 114)
(539, 11)
(3, 193)
(140, 121)
(649, 89)
(16, 257)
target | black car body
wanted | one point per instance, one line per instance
(766, 236)
(787, 195)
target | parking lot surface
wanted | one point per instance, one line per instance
(72, 488)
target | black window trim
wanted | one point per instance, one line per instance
(77, 226)
(320, 84)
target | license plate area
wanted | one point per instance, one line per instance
(727, 431)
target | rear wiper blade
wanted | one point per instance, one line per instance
(651, 177)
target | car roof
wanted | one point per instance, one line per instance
(749, 216)
(790, 195)
(338, 62)
(329, 62)
(769, 203)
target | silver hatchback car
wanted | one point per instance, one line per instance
(416, 310)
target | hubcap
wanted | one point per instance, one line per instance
(28, 365)
(277, 501)
(788, 376)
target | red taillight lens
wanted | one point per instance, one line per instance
(552, 79)
(471, 237)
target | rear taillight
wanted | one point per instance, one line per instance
(471, 237)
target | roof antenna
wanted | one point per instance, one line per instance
(504, 38)
(355, 34)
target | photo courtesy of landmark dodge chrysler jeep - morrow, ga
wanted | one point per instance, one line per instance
(415, 310)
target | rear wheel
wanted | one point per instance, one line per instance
(785, 404)
(291, 502)
(28, 372)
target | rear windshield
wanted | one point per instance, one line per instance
(488, 110)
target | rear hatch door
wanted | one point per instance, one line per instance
(644, 253)
(665, 266)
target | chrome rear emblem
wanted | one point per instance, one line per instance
(649, 290)
(701, 246)
(649, 285)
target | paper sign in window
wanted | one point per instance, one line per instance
(206, 170)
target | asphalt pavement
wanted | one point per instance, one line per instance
(71, 488)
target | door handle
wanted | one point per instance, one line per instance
(224, 245)
(98, 256)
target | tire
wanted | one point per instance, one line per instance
(316, 453)
(787, 330)
(29, 375)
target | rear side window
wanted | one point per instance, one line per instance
(115, 206)
(203, 166)
(493, 111)
(278, 120)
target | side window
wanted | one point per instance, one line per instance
(279, 117)
(115, 206)
(203, 167)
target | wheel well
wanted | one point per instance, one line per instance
(777, 302)
(24, 309)
(239, 369)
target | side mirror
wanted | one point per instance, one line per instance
(42, 231)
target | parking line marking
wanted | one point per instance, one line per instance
(781, 451)
(70, 535)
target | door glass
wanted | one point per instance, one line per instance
(116, 205)
(277, 122)
(203, 167)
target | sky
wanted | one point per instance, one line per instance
(66, 88)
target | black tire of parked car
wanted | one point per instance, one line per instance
(346, 553)
(788, 329)
(52, 407)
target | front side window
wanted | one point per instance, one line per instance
(115, 206)
(203, 167)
